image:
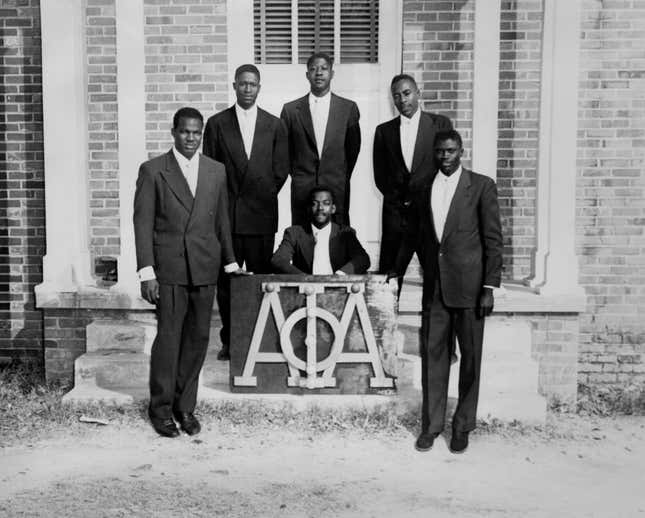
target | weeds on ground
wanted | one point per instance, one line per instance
(609, 401)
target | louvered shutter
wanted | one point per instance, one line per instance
(345, 27)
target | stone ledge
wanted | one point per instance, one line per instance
(510, 298)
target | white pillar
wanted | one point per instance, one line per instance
(486, 87)
(555, 268)
(130, 59)
(66, 264)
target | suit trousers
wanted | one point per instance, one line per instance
(439, 325)
(179, 349)
(256, 252)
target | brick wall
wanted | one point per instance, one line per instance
(185, 52)
(438, 53)
(22, 214)
(519, 108)
(102, 128)
(611, 191)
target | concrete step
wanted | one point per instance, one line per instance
(112, 370)
(115, 335)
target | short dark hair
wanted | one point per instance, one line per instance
(322, 188)
(403, 77)
(320, 55)
(186, 112)
(451, 134)
(247, 68)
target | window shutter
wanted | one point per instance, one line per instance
(272, 31)
(359, 31)
(347, 27)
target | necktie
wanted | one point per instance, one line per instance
(321, 265)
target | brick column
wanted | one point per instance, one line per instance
(67, 262)
(555, 269)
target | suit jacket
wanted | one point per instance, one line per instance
(390, 172)
(339, 154)
(296, 252)
(469, 255)
(182, 237)
(253, 183)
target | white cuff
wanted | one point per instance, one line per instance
(340, 272)
(147, 273)
(231, 267)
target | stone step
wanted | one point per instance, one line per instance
(112, 370)
(115, 335)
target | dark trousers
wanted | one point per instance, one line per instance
(439, 325)
(256, 252)
(391, 241)
(179, 349)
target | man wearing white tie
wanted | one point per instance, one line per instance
(324, 141)
(252, 145)
(321, 247)
(455, 228)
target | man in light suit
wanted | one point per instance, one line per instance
(403, 162)
(324, 141)
(182, 234)
(455, 228)
(321, 247)
(252, 144)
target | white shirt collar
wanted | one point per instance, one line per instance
(323, 99)
(321, 232)
(241, 112)
(183, 161)
(412, 120)
(453, 178)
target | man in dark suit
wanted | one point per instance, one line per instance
(321, 247)
(403, 162)
(455, 228)
(182, 234)
(252, 144)
(324, 141)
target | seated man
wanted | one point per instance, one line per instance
(322, 247)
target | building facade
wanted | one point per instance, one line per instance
(549, 95)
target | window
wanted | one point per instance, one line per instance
(289, 31)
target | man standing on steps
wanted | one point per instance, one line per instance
(403, 162)
(182, 234)
(324, 142)
(455, 228)
(252, 144)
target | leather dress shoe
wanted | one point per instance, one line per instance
(223, 354)
(458, 442)
(425, 441)
(188, 422)
(165, 427)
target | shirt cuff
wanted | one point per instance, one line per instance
(491, 287)
(231, 267)
(340, 272)
(147, 273)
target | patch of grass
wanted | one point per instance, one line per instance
(609, 401)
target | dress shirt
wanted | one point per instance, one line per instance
(322, 263)
(443, 190)
(246, 120)
(190, 170)
(319, 108)
(409, 130)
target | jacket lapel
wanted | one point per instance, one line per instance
(304, 114)
(307, 247)
(334, 122)
(235, 144)
(335, 250)
(177, 182)
(262, 127)
(461, 197)
(422, 145)
(203, 192)
(396, 142)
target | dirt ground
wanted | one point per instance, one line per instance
(582, 467)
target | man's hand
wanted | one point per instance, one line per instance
(240, 271)
(486, 302)
(150, 290)
(391, 275)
